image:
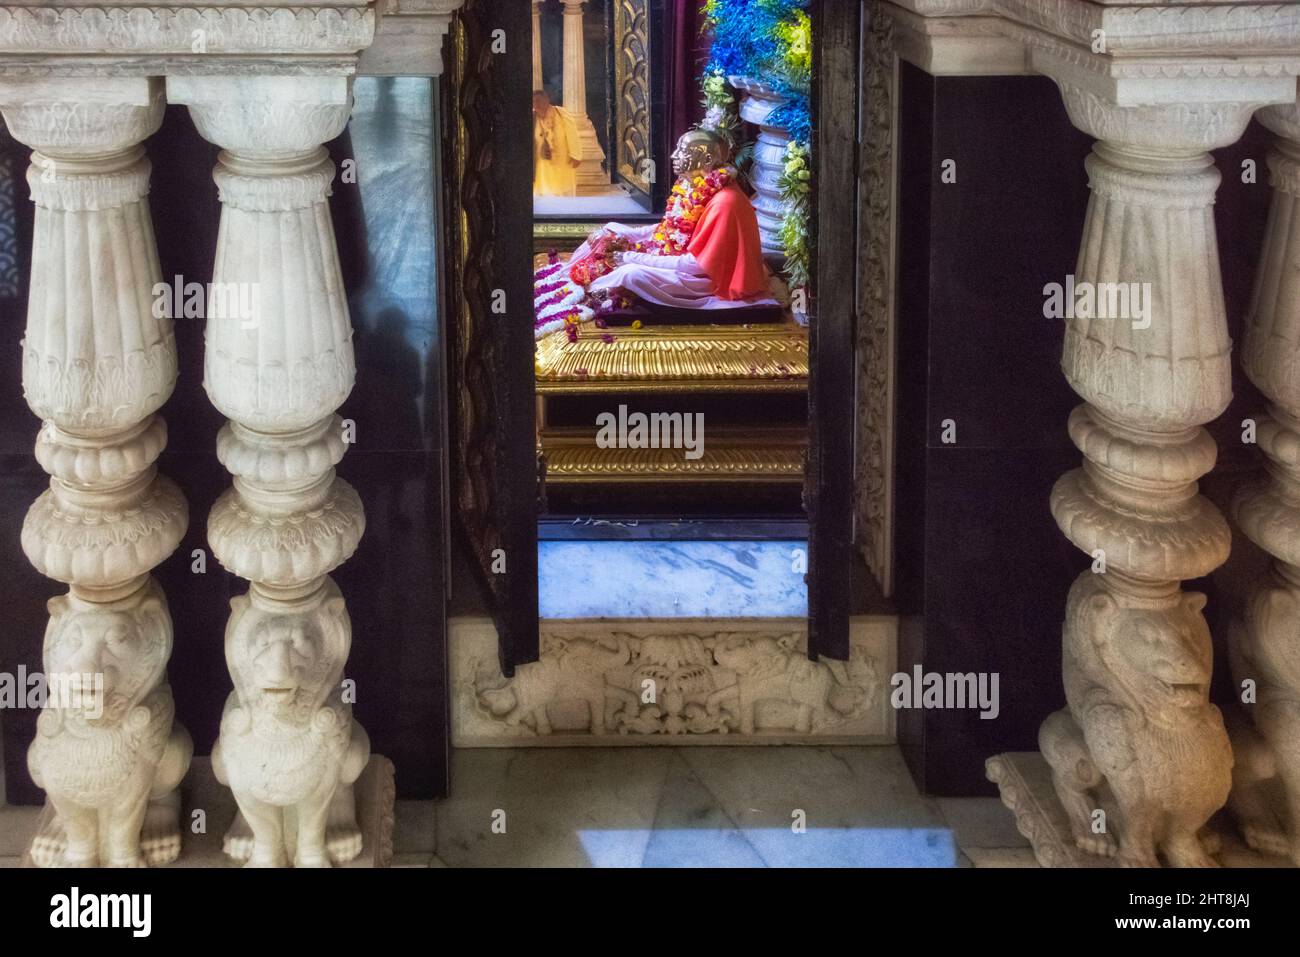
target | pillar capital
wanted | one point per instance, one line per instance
(76, 117)
(1165, 121)
(265, 115)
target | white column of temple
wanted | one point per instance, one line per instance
(537, 44)
(592, 177)
(1152, 360)
(288, 747)
(99, 360)
(1265, 647)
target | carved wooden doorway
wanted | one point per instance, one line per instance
(496, 485)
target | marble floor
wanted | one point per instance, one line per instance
(687, 807)
(672, 579)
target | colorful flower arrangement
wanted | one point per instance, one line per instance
(721, 114)
(769, 40)
(796, 190)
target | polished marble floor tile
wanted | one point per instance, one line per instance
(692, 830)
(560, 807)
(1001, 856)
(826, 807)
(414, 827)
(671, 579)
(980, 822)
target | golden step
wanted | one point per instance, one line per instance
(730, 455)
(766, 358)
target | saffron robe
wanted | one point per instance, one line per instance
(556, 176)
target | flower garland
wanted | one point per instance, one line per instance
(686, 205)
(557, 302)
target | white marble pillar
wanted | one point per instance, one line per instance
(537, 44)
(288, 748)
(1137, 651)
(1265, 647)
(758, 102)
(99, 360)
(592, 178)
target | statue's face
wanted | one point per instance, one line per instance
(690, 155)
(100, 663)
(284, 652)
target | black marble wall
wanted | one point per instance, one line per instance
(386, 217)
(982, 571)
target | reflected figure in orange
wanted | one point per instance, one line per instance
(557, 150)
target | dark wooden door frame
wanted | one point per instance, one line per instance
(489, 208)
(832, 321)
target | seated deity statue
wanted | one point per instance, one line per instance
(557, 148)
(704, 254)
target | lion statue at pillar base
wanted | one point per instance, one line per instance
(288, 748)
(107, 751)
(1139, 720)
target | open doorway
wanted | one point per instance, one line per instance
(670, 146)
(687, 475)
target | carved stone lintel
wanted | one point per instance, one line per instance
(289, 748)
(98, 362)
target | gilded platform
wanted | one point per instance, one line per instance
(730, 455)
(767, 358)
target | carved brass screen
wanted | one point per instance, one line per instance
(634, 153)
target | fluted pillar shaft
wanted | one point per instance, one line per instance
(1146, 347)
(1265, 646)
(279, 372)
(592, 178)
(99, 360)
(575, 59)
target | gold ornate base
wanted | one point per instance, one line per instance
(767, 358)
(775, 456)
